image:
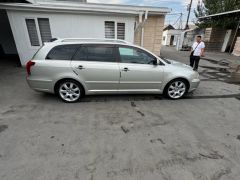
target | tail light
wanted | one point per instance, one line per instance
(28, 66)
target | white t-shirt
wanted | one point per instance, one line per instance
(197, 51)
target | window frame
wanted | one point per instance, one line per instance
(124, 30)
(116, 29)
(139, 49)
(35, 18)
(97, 45)
(40, 33)
(37, 29)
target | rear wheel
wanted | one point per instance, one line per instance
(176, 89)
(70, 91)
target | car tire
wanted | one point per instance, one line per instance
(176, 89)
(70, 91)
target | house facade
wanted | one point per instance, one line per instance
(171, 36)
(34, 23)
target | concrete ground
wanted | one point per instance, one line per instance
(130, 137)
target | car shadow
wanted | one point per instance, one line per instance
(134, 97)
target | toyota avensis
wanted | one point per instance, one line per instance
(72, 68)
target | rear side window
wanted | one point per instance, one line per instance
(95, 53)
(62, 52)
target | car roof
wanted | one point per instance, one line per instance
(90, 40)
(67, 41)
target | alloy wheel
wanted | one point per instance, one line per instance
(176, 89)
(69, 91)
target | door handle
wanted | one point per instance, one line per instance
(80, 67)
(126, 69)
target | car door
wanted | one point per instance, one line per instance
(138, 73)
(97, 67)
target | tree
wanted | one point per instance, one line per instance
(208, 7)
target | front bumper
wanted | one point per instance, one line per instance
(194, 85)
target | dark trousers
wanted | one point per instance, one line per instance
(194, 61)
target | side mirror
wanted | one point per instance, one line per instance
(154, 61)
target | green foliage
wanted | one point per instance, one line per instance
(208, 7)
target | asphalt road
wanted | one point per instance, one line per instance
(120, 137)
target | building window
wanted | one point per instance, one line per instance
(109, 29)
(113, 32)
(44, 28)
(121, 31)
(164, 37)
(32, 32)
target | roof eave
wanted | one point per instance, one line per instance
(220, 14)
(85, 9)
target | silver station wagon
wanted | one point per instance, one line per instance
(72, 68)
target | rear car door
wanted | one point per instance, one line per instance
(137, 70)
(96, 65)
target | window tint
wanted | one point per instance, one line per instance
(63, 52)
(81, 54)
(96, 53)
(134, 55)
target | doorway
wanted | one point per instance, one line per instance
(8, 51)
(171, 40)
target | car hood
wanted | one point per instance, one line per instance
(179, 64)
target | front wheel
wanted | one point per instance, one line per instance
(176, 89)
(70, 91)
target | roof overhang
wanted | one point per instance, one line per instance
(221, 14)
(93, 8)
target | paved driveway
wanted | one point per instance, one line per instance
(118, 137)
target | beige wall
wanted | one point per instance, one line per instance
(236, 50)
(153, 30)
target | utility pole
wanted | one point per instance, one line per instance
(189, 11)
(180, 21)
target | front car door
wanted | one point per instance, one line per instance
(138, 72)
(97, 67)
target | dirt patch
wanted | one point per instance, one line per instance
(3, 127)
(218, 175)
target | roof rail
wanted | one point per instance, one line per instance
(94, 39)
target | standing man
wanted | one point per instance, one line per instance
(197, 51)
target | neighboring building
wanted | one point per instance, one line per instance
(188, 37)
(38, 21)
(220, 39)
(171, 36)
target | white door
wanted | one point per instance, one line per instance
(97, 67)
(226, 40)
(138, 73)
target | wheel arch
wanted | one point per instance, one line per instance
(65, 79)
(177, 78)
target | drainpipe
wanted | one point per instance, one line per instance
(142, 34)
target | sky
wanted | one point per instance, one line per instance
(177, 6)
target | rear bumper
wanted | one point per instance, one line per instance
(194, 85)
(40, 85)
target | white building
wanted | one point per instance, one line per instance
(36, 22)
(171, 36)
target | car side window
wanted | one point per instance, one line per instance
(134, 55)
(62, 52)
(81, 54)
(95, 53)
